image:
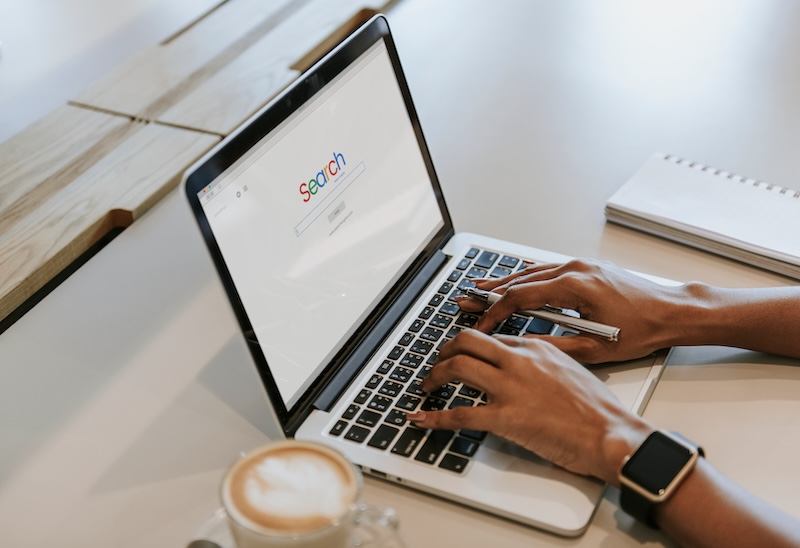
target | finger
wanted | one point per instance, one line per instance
(515, 298)
(473, 343)
(467, 369)
(491, 284)
(469, 304)
(472, 418)
(583, 348)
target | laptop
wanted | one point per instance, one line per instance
(329, 230)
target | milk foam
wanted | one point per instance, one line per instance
(297, 485)
(290, 487)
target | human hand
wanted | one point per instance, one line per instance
(599, 291)
(539, 398)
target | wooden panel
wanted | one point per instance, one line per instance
(159, 76)
(221, 70)
(32, 162)
(229, 97)
(73, 177)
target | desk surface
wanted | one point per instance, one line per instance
(117, 428)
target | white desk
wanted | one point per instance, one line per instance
(116, 427)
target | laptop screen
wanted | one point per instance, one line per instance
(318, 220)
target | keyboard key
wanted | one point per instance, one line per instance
(401, 374)
(487, 259)
(338, 428)
(374, 381)
(516, 322)
(473, 434)
(431, 334)
(357, 434)
(466, 284)
(408, 402)
(423, 371)
(383, 437)
(433, 404)
(454, 463)
(539, 326)
(396, 352)
(433, 358)
(414, 388)
(507, 330)
(422, 347)
(380, 403)
(443, 392)
(455, 330)
(499, 272)
(441, 321)
(351, 411)
(436, 443)
(451, 309)
(408, 442)
(396, 417)
(463, 264)
(368, 418)
(472, 253)
(385, 367)
(416, 326)
(467, 320)
(469, 392)
(458, 401)
(406, 339)
(476, 273)
(411, 360)
(454, 276)
(436, 300)
(363, 396)
(464, 446)
(446, 288)
(508, 262)
(391, 389)
(427, 312)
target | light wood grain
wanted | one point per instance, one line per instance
(66, 204)
(32, 161)
(231, 95)
(225, 67)
(159, 76)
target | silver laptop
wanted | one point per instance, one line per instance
(329, 230)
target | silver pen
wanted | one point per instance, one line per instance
(553, 314)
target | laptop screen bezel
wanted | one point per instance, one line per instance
(224, 155)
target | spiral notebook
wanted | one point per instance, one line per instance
(738, 217)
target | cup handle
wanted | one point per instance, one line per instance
(215, 530)
(377, 526)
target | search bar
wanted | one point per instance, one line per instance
(342, 184)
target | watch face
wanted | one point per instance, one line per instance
(656, 463)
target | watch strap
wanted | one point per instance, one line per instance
(640, 507)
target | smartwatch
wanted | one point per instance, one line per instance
(652, 473)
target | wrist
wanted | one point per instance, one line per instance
(620, 443)
(653, 473)
(690, 314)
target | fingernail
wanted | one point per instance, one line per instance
(416, 417)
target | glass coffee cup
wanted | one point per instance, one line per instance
(302, 494)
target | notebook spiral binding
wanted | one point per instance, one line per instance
(734, 177)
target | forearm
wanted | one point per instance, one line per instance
(766, 319)
(708, 509)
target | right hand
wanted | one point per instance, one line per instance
(599, 291)
(538, 398)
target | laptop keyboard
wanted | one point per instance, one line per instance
(377, 415)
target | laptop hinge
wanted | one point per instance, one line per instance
(372, 340)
